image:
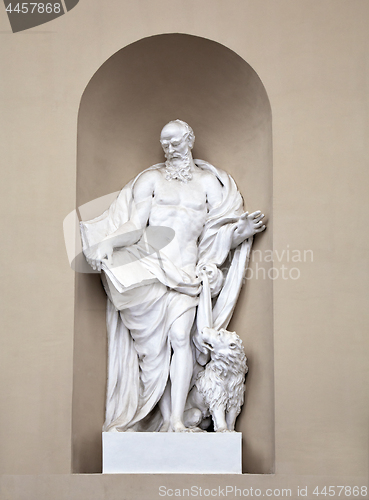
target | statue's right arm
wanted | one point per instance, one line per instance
(130, 232)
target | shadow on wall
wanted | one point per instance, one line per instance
(123, 109)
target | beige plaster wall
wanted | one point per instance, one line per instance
(312, 58)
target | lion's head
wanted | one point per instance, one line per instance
(223, 345)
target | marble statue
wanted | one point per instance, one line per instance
(173, 249)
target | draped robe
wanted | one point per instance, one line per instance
(143, 302)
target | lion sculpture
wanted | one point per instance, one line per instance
(219, 389)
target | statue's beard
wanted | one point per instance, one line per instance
(179, 168)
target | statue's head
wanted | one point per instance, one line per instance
(177, 140)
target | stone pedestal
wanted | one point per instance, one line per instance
(185, 453)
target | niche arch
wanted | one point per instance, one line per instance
(122, 110)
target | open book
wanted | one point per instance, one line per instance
(126, 269)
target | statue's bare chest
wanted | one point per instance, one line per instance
(190, 195)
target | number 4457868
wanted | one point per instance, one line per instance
(39, 8)
(348, 491)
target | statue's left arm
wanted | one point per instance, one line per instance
(247, 224)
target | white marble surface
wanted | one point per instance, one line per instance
(172, 452)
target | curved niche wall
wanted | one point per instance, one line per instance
(124, 107)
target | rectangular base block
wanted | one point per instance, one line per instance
(172, 452)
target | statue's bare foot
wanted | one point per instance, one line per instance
(180, 427)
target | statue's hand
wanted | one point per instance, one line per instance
(248, 225)
(94, 255)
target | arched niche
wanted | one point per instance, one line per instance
(124, 106)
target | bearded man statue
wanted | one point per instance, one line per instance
(157, 290)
